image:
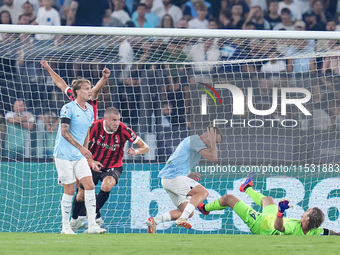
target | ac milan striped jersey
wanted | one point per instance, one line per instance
(108, 147)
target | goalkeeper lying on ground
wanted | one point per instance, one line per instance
(270, 221)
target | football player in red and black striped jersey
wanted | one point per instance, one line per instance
(68, 91)
(107, 138)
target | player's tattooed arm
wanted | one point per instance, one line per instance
(65, 132)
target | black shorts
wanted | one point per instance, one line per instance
(114, 172)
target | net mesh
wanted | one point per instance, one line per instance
(166, 89)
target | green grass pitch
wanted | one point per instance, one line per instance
(163, 244)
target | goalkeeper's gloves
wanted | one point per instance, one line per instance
(283, 205)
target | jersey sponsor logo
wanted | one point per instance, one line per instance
(111, 147)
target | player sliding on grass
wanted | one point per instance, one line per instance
(270, 221)
(181, 185)
(108, 137)
(68, 91)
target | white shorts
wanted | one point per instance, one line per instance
(178, 188)
(69, 170)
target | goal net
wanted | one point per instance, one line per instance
(274, 94)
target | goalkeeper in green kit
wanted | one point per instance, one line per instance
(270, 221)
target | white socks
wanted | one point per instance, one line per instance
(167, 217)
(90, 204)
(66, 205)
(187, 211)
(162, 218)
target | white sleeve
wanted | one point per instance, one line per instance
(32, 119)
(56, 19)
(67, 88)
(137, 139)
(37, 19)
(9, 115)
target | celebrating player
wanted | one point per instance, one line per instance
(270, 221)
(108, 137)
(68, 91)
(71, 154)
(181, 184)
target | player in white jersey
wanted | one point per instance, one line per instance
(71, 155)
(181, 184)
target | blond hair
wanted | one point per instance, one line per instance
(76, 85)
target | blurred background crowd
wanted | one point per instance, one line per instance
(155, 82)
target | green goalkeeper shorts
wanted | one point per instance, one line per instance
(255, 220)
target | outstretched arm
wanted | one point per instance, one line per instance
(100, 84)
(283, 205)
(55, 77)
(278, 224)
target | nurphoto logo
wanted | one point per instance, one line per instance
(240, 101)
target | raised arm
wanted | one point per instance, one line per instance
(278, 224)
(100, 84)
(55, 77)
(211, 153)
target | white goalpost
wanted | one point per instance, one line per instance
(274, 94)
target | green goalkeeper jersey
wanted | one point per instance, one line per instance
(292, 227)
(263, 223)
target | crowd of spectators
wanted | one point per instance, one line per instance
(153, 93)
(197, 14)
